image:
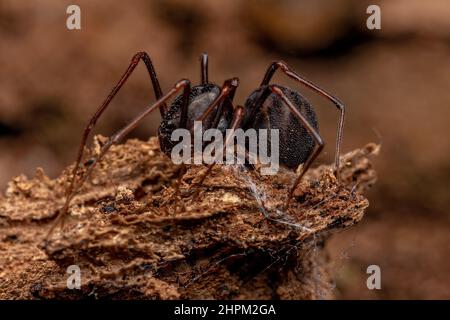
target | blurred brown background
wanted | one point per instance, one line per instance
(394, 81)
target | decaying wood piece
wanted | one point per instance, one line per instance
(132, 239)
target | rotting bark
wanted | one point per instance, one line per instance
(132, 240)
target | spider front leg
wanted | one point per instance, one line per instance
(228, 90)
(132, 66)
(293, 75)
(92, 122)
(76, 185)
(236, 121)
(316, 136)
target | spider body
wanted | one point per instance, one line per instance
(270, 114)
(270, 106)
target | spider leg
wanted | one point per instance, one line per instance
(236, 121)
(75, 185)
(228, 90)
(204, 67)
(316, 136)
(91, 124)
(185, 105)
(183, 124)
(292, 74)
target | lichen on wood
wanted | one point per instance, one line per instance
(132, 239)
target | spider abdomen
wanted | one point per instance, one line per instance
(295, 142)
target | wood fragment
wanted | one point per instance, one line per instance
(132, 240)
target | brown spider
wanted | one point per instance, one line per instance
(269, 106)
